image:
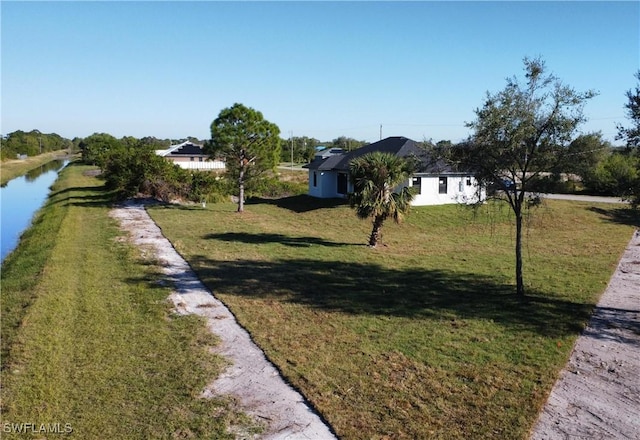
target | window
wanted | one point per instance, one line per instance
(416, 182)
(315, 179)
(192, 158)
(200, 159)
(442, 185)
(468, 180)
(342, 183)
(460, 186)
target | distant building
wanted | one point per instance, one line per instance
(191, 157)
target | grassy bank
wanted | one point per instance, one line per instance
(422, 338)
(10, 169)
(89, 341)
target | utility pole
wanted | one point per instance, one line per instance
(291, 136)
(380, 131)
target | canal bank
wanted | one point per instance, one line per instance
(10, 169)
(88, 338)
(21, 198)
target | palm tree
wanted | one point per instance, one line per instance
(374, 177)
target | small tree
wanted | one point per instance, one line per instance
(249, 144)
(520, 132)
(374, 177)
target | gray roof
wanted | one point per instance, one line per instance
(187, 148)
(397, 145)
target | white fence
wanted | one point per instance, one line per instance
(205, 165)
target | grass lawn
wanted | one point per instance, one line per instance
(423, 337)
(88, 339)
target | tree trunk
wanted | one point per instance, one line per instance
(376, 231)
(519, 280)
(241, 189)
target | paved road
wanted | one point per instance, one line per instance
(581, 198)
(598, 393)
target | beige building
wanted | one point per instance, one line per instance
(190, 156)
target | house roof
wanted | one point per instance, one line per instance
(184, 149)
(397, 145)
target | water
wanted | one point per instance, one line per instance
(20, 198)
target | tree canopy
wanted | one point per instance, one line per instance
(520, 132)
(631, 134)
(97, 147)
(301, 148)
(31, 143)
(249, 144)
(374, 177)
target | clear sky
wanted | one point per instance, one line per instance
(318, 69)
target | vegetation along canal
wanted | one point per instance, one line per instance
(20, 198)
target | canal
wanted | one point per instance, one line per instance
(20, 198)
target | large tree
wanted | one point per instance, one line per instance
(520, 132)
(374, 177)
(97, 148)
(248, 143)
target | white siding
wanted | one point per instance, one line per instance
(458, 191)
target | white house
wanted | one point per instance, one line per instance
(435, 182)
(190, 156)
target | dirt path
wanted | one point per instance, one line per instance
(252, 379)
(598, 393)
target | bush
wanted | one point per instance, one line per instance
(272, 188)
(617, 175)
(555, 184)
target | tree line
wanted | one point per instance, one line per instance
(32, 143)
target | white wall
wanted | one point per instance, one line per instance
(458, 191)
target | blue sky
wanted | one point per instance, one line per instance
(319, 69)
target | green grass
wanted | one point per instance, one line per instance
(10, 169)
(88, 336)
(423, 337)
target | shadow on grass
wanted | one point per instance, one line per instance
(87, 196)
(300, 203)
(623, 216)
(285, 240)
(360, 288)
